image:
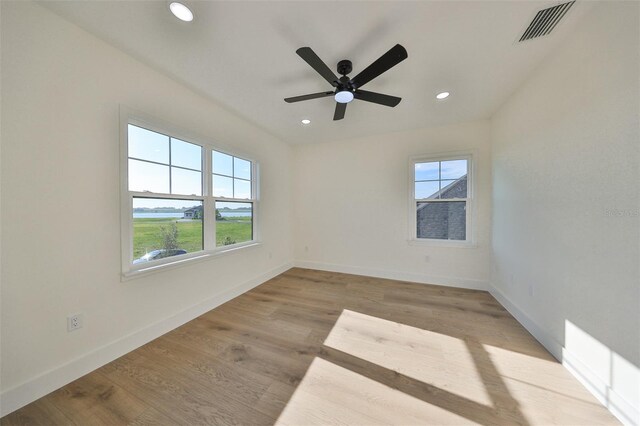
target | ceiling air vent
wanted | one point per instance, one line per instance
(546, 20)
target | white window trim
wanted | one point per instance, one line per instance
(470, 242)
(130, 271)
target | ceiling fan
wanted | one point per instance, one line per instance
(347, 89)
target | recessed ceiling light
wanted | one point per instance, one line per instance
(181, 11)
(443, 95)
(306, 121)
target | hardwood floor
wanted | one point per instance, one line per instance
(311, 347)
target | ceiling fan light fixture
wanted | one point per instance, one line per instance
(344, 97)
(442, 95)
(344, 89)
(181, 11)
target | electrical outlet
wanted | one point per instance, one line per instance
(530, 290)
(426, 259)
(74, 322)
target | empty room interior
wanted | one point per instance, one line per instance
(320, 212)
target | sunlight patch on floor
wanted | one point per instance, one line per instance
(330, 394)
(378, 371)
(433, 358)
(530, 374)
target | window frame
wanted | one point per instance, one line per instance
(470, 213)
(253, 200)
(210, 250)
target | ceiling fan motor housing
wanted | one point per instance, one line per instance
(344, 67)
(345, 84)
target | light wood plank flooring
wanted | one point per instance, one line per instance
(311, 347)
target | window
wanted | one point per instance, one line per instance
(231, 189)
(441, 199)
(182, 199)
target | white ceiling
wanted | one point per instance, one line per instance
(242, 55)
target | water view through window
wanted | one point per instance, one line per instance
(165, 228)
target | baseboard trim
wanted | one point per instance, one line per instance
(23, 394)
(532, 327)
(396, 275)
(617, 405)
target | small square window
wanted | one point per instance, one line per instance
(441, 199)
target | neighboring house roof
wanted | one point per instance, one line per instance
(194, 209)
(458, 185)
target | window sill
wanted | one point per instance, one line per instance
(185, 261)
(425, 242)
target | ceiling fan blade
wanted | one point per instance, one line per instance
(307, 97)
(316, 63)
(393, 57)
(340, 109)
(377, 98)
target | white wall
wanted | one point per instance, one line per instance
(565, 162)
(352, 207)
(60, 204)
(566, 206)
